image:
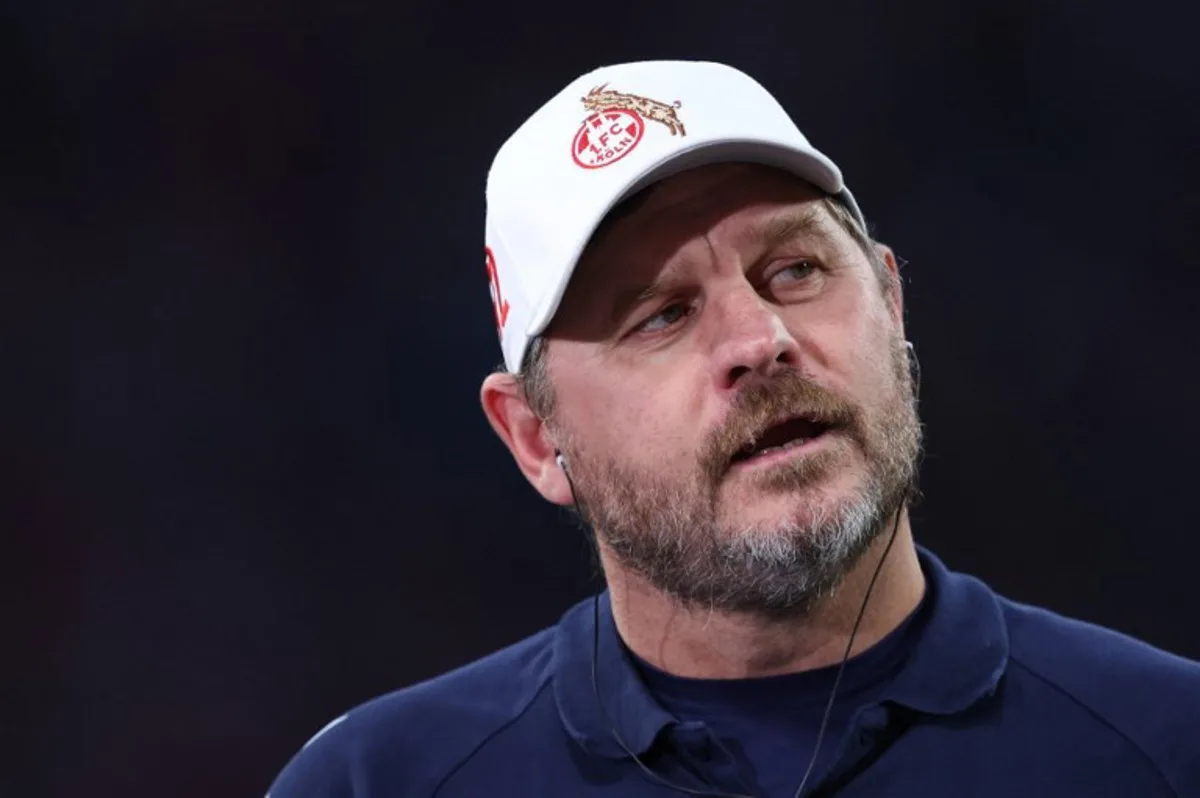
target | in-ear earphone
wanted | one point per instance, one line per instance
(562, 461)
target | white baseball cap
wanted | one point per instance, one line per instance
(601, 139)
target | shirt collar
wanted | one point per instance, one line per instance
(957, 660)
(626, 708)
(962, 652)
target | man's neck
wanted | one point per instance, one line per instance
(707, 644)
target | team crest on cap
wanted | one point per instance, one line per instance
(617, 124)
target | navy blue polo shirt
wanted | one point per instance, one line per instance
(770, 726)
(986, 698)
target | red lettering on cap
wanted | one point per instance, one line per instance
(606, 138)
(499, 303)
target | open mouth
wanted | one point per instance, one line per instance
(788, 434)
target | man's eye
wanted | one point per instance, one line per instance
(800, 270)
(665, 318)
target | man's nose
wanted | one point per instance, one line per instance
(750, 339)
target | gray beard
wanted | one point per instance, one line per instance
(784, 571)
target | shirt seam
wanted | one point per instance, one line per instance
(1103, 720)
(488, 738)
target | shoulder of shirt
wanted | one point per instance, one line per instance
(1149, 696)
(413, 738)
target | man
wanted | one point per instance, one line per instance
(705, 356)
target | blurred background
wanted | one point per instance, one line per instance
(245, 483)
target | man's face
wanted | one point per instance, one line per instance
(732, 391)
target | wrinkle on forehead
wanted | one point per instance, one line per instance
(696, 193)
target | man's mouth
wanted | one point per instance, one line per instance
(781, 436)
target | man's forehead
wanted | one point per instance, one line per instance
(690, 189)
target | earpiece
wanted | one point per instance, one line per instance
(562, 461)
(914, 367)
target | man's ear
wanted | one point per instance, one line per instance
(892, 286)
(526, 436)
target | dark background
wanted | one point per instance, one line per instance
(244, 479)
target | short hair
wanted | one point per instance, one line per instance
(534, 376)
(534, 379)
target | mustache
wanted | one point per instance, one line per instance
(768, 401)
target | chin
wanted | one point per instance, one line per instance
(802, 507)
(768, 519)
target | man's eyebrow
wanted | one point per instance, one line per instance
(628, 298)
(784, 227)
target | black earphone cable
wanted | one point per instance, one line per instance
(837, 680)
(646, 769)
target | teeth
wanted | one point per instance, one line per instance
(789, 445)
